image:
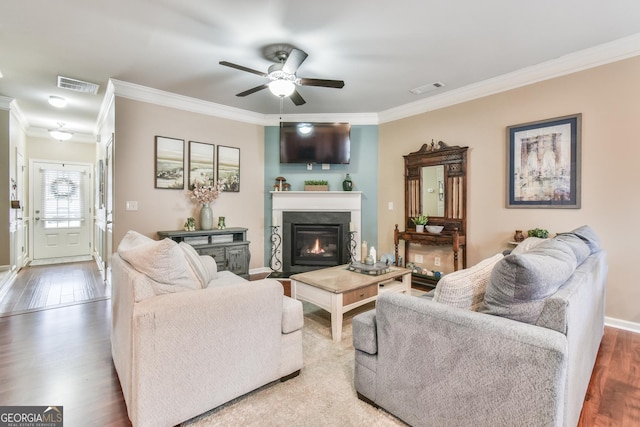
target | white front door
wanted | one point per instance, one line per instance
(61, 209)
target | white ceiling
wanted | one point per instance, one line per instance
(380, 49)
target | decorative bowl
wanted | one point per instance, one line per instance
(434, 228)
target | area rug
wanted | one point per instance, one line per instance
(322, 395)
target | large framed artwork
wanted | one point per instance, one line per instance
(201, 163)
(229, 168)
(543, 162)
(169, 163)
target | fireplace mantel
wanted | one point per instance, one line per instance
(318, 201)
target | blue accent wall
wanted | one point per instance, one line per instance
(363, 170)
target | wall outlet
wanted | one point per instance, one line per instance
(418, 258)
(436, 261)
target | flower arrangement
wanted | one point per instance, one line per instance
(205, 194)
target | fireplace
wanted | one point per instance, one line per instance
(313, 240)
(333, 215)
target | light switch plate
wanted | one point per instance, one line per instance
(131, 206)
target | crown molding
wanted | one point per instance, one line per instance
(352, 118)
(606, 53)
(181, 102)
(19, 115)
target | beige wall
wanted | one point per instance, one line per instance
(5, 174)
(136, 125)
(608, 98)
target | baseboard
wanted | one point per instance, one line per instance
(622, 324)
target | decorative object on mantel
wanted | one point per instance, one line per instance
(221, 223)
(420, 221)
(190, 225)
(280, 183)
(205, 194)
(347, 184)
(316, 185)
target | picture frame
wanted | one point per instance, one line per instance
(201, 163)
(543, 163)
(169, 163)
(228, 162)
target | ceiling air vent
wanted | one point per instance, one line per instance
(427, 88)
(77, 85)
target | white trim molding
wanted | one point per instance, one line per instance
(622, 324)
(606, 53)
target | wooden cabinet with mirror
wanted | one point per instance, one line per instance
(436, 186)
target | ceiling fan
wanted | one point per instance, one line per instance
(282, 75)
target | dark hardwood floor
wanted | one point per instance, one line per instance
(61, 357)
(41, 287)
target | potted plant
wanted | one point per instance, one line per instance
(420, 222)
(538, 232)
(316, 185)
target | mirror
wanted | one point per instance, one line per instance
(433, 190)
(436, 185)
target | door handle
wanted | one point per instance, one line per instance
(37, 218)
(109, 222)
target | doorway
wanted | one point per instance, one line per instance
(61, 209)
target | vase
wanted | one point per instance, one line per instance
(419, 228)
(518, 237)
(206, 218)
(347, 184)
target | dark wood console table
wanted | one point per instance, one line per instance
(229, 247)
(446, 237)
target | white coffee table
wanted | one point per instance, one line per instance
(338, 290)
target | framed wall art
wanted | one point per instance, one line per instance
(543, 162)
(169, 163)
(229, 168)
(201, 163)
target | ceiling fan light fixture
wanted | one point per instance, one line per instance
(60, 134)
(57, 101)
(282, 88)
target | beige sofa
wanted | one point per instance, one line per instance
(186, 338)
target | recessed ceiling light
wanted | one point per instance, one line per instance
(427, 88)
(57, 101)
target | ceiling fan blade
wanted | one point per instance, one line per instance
(241, 68)
(295, 58)
(338, 84)
(253, 90)
(297, 98)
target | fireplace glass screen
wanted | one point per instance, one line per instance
(316, 245)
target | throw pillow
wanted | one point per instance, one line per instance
(133, 239)
(193, 258)
(465, 288)
(589, 236)
(164, 262)
(520, 283)
(527, 244)
(576, 244)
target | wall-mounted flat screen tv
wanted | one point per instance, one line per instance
(315, 143)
